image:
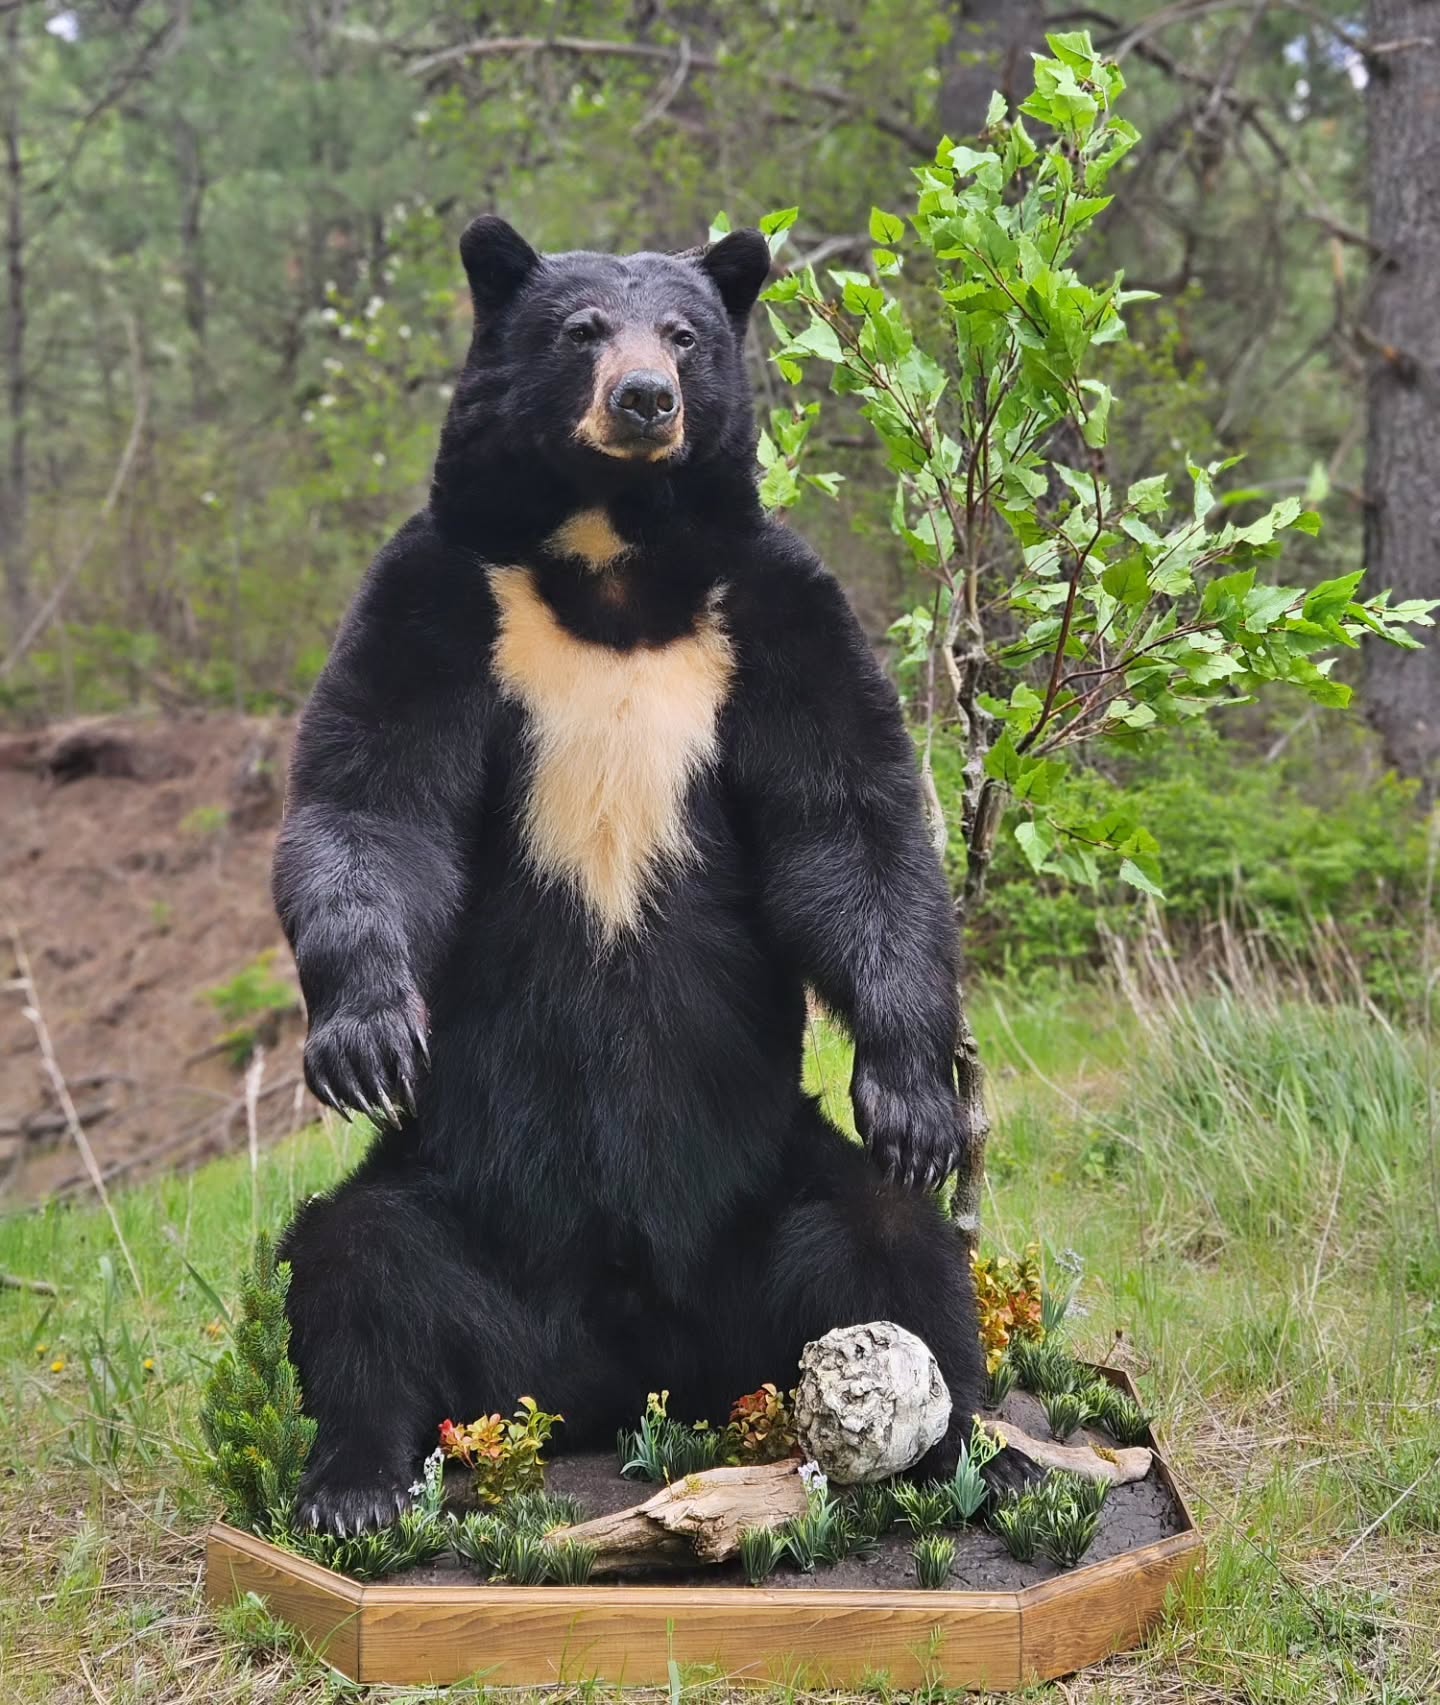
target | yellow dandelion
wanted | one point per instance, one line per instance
(214, 1329)
(149, 1364)
(42, 1349)
(58, 1365)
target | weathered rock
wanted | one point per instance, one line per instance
(870, 1403)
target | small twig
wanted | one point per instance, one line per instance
(1277, 746)
(194, 1136)
(254, 1073)
(1377, 49)
(53, 1124)
(43, 615)
(35, 1013)
(95, 1692)
(827, 249)
(1329, 1225)
(674, 84)
(39, 1287)
(1379, 1521)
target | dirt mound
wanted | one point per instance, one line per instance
(134, 874)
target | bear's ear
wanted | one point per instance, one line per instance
(739, 264)
(497, 260)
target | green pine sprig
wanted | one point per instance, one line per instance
(259, 1437)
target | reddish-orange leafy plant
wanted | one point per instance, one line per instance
(762, 1425)
(1009, 1296)
(503, 1454)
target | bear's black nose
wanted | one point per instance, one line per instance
(645, 399)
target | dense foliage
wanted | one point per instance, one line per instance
(236, 311)
(236, 241)
(1124, 615)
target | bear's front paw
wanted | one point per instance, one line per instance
(368, 1062)
(912, 1126)
(345, 1501)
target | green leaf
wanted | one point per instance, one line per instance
(1144, 875)
(774, 226)
(1037, 842)
(779, 489)
(995, 112)
(1264, 606)
(885, 227)
(1128, 580)
(1227, 591)
(1330, 597)
(1096, 429)
(1074, 48)
(819, 338)
(1002, 761)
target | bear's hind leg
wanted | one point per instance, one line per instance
(394, 1327)
(851, 1247)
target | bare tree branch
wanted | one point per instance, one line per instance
(498, 47)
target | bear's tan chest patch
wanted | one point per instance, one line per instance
(616, 738)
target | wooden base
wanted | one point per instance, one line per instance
(793, 1637)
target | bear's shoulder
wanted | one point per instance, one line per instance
(421, 622)
(782, 596)
(421, 589)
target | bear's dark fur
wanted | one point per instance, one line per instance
(600, 777)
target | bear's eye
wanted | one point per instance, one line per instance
(585, 325)
(683, 338)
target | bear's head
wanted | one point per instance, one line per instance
(605, 369)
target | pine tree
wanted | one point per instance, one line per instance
(250, 1414)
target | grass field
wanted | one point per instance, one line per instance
(1252, 1184)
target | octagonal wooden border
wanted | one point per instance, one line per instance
(628, 1636)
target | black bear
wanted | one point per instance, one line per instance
(601, 777)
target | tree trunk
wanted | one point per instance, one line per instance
(989, 48)
(15, 480)
(190, 175)
(1402, 332)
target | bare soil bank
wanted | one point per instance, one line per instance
(134, 869)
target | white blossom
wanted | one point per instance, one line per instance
(814, 1477)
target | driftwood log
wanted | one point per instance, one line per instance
(1094, 1459)
(695, 1520)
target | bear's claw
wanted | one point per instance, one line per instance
(348, 1510)
(366, 1062)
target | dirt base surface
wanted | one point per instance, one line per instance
(135, 877)
(1133, 1516)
